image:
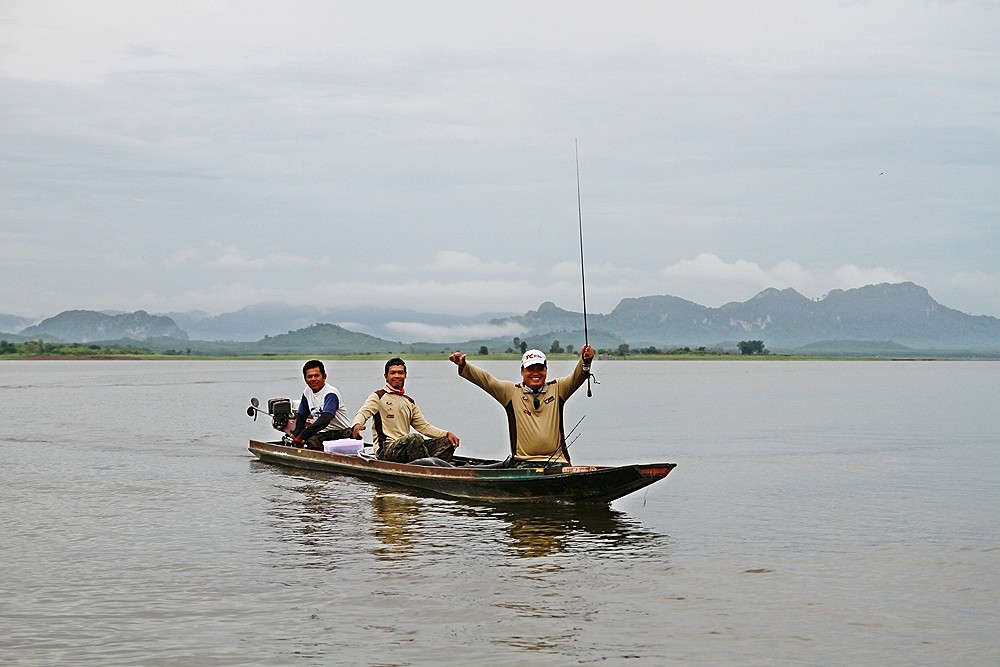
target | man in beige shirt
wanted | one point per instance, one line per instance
(534, 406)
(393, 414)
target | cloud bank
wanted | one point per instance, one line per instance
(179, 156)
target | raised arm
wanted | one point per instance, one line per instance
(458, 358)
(569, 384)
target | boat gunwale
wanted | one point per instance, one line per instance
(355, 461)
(471, 483)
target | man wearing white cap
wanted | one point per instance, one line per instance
(534, 406)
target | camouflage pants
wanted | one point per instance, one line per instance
(414, 446)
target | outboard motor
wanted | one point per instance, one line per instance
(278, 409)
(281, 412)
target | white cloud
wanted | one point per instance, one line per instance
(709, 275)
(212, 155)
(213, 298)
(450, 265)
(415, 331)
(967, 291)
(850, 276)
(185, 256)
(707, 266)
(213, 257)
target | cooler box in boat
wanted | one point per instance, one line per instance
(345, 446)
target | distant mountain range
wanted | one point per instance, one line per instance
(876, 319)
(84, 326)
(254, 322)
(902, 313)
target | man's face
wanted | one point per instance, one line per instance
(395, 377)
(534, 376)
(315, 379)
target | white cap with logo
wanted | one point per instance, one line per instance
(532, 357)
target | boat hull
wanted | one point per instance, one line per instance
(588, 484)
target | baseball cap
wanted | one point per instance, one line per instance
(532, 357)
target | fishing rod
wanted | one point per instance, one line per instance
(552, 456)
(575, 427)
(583, 283)
(583, 276)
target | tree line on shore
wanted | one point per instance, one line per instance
(745, 347)
(33, 348)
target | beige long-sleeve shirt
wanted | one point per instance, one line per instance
(393, 415)
(536, 433)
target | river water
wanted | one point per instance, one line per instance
(821, 512)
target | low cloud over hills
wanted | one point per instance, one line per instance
(887, 316)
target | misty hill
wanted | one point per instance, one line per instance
(254, 322)
(86, 326)
(901, 314)
(13, 323)
(328, 338)
(876, 319)
(314, 340)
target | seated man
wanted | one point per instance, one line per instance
(321, 414)
(393, 414)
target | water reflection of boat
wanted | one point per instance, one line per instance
(531, 530)
(319, 519)
(546, 531)
(403, 524)
(478, 479)
(395, 519)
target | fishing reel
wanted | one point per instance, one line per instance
(278, 409)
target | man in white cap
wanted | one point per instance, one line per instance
(534, 406)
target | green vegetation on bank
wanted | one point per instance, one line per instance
(745, 347)
(39, 348)
(754, 349)
(36, 348)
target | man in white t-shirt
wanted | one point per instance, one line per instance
(321, 414)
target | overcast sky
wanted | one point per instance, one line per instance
(173, 156)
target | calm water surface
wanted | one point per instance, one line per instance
(827, 512)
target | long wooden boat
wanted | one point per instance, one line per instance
(474, 478)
